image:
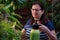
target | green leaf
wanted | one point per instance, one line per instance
(9, 5)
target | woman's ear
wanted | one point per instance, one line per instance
(31, 9)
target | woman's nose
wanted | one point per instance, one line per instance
(34, 11)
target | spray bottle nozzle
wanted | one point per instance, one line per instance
(35, 26)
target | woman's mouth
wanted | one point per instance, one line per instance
(36, 15)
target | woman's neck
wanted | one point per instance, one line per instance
(36, 18)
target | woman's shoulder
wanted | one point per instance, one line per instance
(50, 25)
(28, 22)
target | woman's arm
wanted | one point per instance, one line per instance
(23, 35)
(53, 32)
(50, 34)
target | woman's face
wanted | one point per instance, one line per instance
(36, 11)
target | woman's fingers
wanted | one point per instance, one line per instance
(43, 28)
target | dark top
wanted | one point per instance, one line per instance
(43, 36)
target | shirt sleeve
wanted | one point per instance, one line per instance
(50, 25)
(27, 24)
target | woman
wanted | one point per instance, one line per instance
(47, 31)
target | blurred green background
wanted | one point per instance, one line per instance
(15, 13)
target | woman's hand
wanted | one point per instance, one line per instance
(43, 28)
(23, 35)
(50, 34)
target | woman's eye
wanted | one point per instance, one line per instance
(36, 9)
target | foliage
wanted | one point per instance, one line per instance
(7, 31)
(10, 26)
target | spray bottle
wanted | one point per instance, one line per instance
(35, 33)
